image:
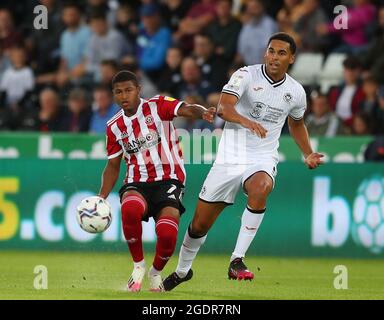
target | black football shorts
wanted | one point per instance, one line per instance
(158, 194)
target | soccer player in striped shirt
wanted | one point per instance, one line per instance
(255, 104)
(143, 134)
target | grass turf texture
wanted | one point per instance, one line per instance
(104, 276)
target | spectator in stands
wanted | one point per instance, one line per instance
(105, 43)
(199, 16)
(322, 121)
(4, 63)
(371, 101)
(9, 36)
(288, 16)
(108, 68)
(192, 83)
(80, 113)
(378, 115)
(362, 124)
(73, 43)
(345, 99)
(375, 150)
(353, 38)
(255, 34)
(305, 27)
(153, 41)
(373, 59)
(52, 117)
(104, 109)
(127, 22)
(174, 11)
(224, 31)
(213, 67)
(18, 80)
(102, 6)
(43, 44)
(170, 77)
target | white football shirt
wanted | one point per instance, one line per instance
(264, 101)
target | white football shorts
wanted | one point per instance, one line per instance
(224, 180)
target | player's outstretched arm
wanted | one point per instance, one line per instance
(110, 176)
(226, 110)
(196, 111)
(299, 133)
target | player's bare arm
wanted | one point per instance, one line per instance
(299, 133)
(109, 176)
(226, 110)
(196, 111)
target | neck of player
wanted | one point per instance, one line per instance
(275, 76)
(131, 110)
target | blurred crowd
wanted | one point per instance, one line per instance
(58, 79)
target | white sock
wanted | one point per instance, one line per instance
(250, 223)
(139, 264)
(188, 252)
(153, 271)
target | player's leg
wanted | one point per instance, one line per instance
(257, 186)
(167, 226)
(204, 217)
(133, 208)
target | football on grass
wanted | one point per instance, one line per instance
(94, 214)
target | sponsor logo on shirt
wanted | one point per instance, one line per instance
(266, 113)
(143, 142)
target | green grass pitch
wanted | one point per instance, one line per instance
(104, 276)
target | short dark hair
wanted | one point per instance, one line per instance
(73, 4)
(102, 87)
(97, 14)
(352, 63)
(123, 76)
(110, 62)
(282, 36)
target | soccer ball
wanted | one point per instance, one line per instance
(94, 214)
(368, 215)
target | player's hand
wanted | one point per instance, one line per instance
(255, 127)
(314, 160)
(209, 114)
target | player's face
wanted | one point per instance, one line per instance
(127, 95)
(278, 58)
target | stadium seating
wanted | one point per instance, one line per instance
(307, 67)
(332, 71)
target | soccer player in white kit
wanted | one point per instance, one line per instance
(255, 104)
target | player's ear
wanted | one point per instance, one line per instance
(292, 59)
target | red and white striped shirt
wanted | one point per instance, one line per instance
(148, 141)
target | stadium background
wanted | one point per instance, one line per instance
(55, 100)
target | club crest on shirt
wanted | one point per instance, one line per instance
(149, 119)
(257, 110)
(287, 97)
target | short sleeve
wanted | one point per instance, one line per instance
(297, 112)
(113, 147)
(167, 107)
(238, 83)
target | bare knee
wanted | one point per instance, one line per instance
(199, 228)
(258, 194)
